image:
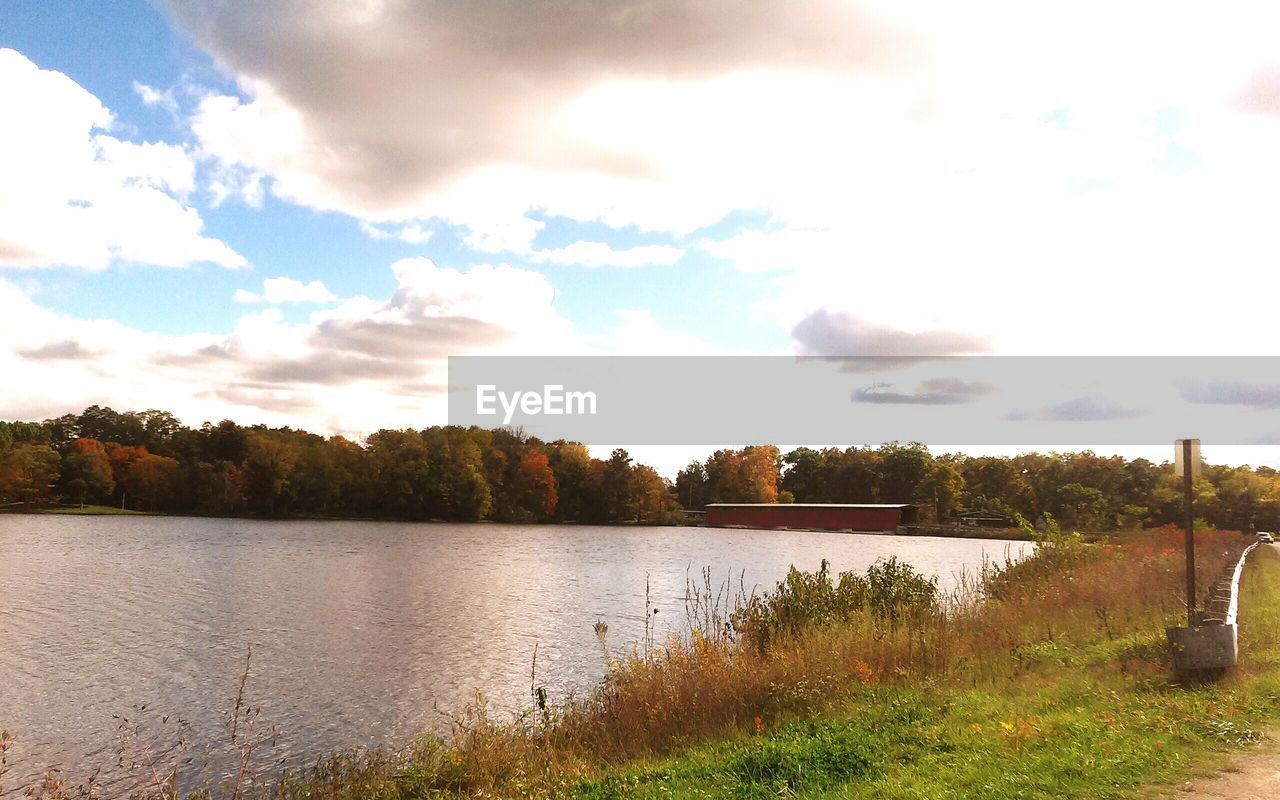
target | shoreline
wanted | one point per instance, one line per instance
(913, 531)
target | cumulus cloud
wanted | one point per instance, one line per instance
(67, 349)
(920, 169)
(345, 129)
(1087, 409)
(73, 195)
(1079, 409)
(598, 254)
(351, 367)
(1234, 393)
(358, 365)
(354, 366)
(930, 392)
(276, 291)
(905, 156)
(826, 333)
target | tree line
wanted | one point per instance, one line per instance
(1082, 490)
(150, 461)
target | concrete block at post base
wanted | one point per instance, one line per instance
(1202, 647)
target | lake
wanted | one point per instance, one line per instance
(363, 633)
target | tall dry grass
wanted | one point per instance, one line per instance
(713, 681)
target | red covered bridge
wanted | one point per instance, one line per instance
(822, 516)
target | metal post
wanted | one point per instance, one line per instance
(1191, 533)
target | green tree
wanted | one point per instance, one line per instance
(458, 489)
(651, 494)
(217, 488)
(855, 477)
(940, 493)
(903, 468)
(616, 486)
(28, 473)
(691, 485)
(400, 472)
(1081, 507)
(571, 463)
(269, 464)
(107, 425)
(158, 430)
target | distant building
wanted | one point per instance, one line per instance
(980, 518)
(818, 516)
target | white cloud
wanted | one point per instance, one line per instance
(639, 334)
(151, 96)
(365, 140)
(598, 254)
(413, 233)
(786, 249)
(350, 368)
(824, 333)
(379, 140)
(152, 164)
(287, 290)
(72, 195)
(356, 366)
(922, 167)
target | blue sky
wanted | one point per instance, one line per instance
(843, 178)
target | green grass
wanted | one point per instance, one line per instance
(90, 510)
(1098, 721)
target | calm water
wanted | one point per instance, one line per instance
(359, 629)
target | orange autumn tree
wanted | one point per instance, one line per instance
(142, 475)
(535, 485)
(86, 470)
(749, 475)
(28, 473)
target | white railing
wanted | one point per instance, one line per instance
(1233, 607)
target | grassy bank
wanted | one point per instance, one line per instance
(89, 510)
(1012, 534)
(1098, 719)
(1043, 678)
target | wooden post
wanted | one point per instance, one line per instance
(1191, 533)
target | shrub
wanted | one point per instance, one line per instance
(889, 589)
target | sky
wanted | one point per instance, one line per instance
(291, 211)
